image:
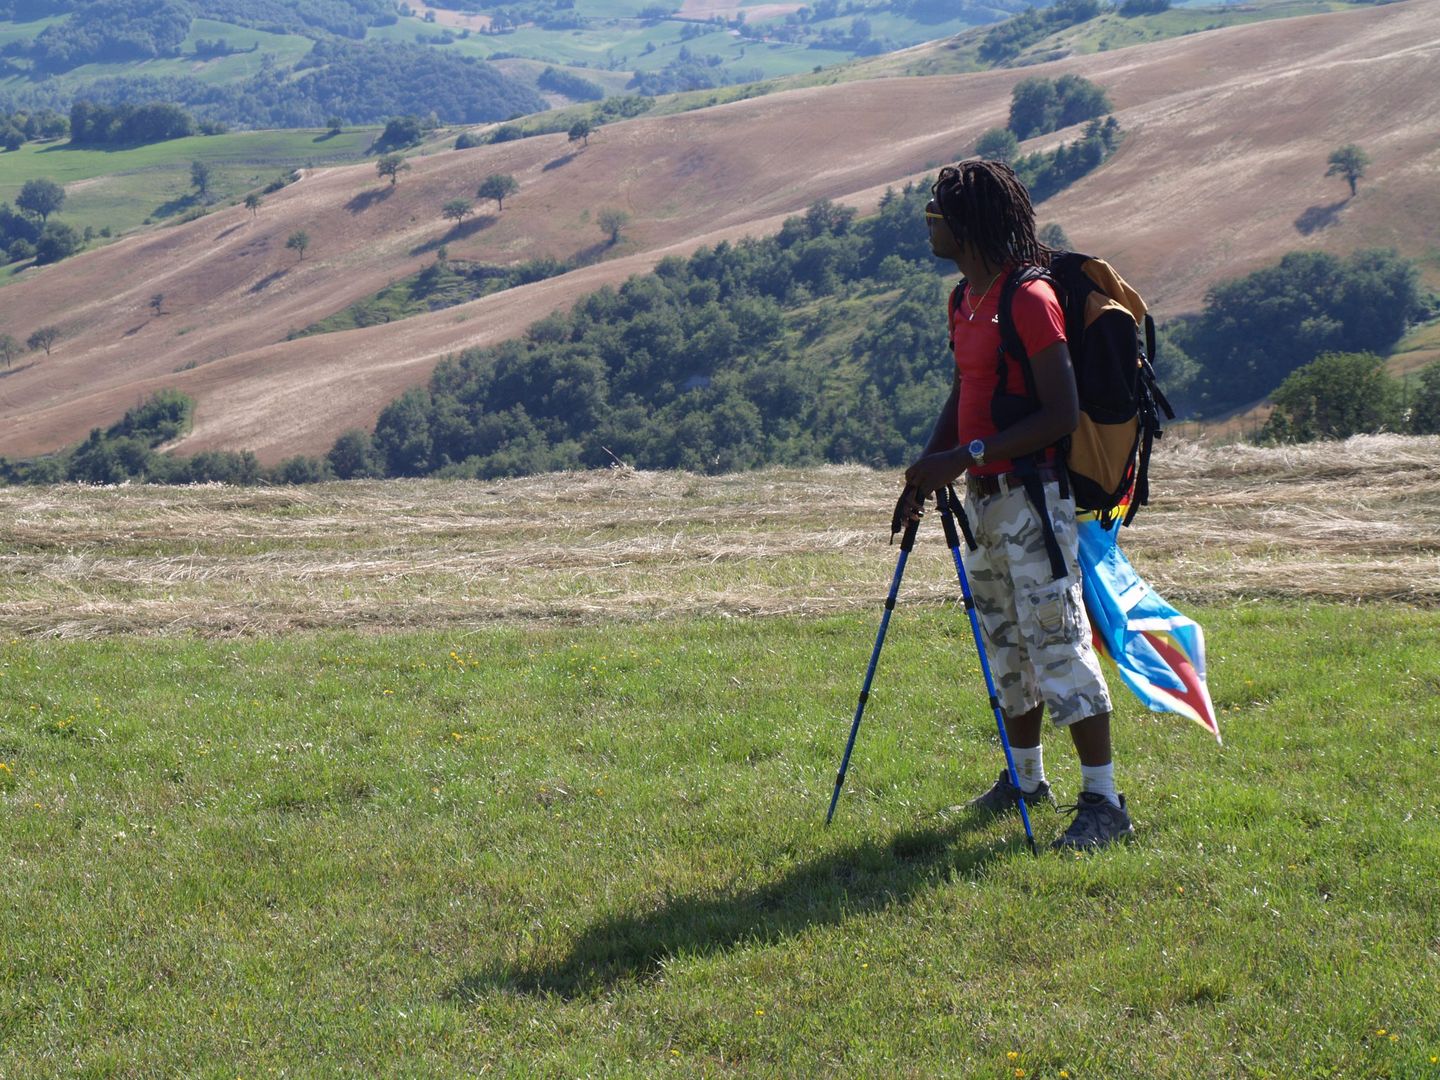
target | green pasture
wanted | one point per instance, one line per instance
(1416, 350)
(25, 31)
(121, 188)
(285, 48)
(1114, 31)
(561, 850)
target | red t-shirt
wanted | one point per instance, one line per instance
(1040, 322)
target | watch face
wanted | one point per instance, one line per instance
(977, 449)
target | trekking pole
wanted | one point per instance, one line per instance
(950, 508)
(907, 541)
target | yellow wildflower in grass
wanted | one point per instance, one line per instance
(1064, 1075)
(1379, 1031)
(759, 1012)
(1012, 1055)
(4, 766)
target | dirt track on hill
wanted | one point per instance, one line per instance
(1227, 136)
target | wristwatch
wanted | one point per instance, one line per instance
(977, 451)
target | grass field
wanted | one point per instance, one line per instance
(121, 188)
(527, 779)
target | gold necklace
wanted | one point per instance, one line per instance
(969, 295)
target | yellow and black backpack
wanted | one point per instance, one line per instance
(1111, 338)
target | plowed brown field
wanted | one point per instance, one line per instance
(1228, 134)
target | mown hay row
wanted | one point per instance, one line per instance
(1349, 521)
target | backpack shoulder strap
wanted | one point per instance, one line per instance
(950, 307)
(1010, 343)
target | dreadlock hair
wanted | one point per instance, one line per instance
(985, 204)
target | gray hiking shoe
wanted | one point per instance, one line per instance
(1097, 822)
(1006, 796)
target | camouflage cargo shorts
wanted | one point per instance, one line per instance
(1036, 631)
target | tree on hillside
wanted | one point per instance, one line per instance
(41, 198)
(1349, 161)
(1053, 237)
(580, 132)
(9, 348)
(498, 186)
(998, 144)
(44, 338)
(252, 203)
(335, 125)
(200, 178)
(392, 165)
(1333, 397)
(611, 221)
(57, 241)
(298, 242)
(353, 456)
(456, 210)
(157, 303)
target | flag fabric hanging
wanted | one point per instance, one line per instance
(1159, 653)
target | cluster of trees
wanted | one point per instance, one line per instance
(43, 337)
(699, 365)
(1337, 395)
(210, 50)
(444, 283)
(1039, 106)
(543, 14)
(571, 85)
(313, 18)
(401, 132)
(691, 72)
(30, 10)
(30, 234)
(18, 128)
(1256, 330)
(366, 82)
(1051, 171)
(124, 124)
(370, 82)
(802, 26)
(1131, 8)
(1007, 40)
(109, 30)
(126, 451)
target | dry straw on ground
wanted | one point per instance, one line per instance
(1351, 521)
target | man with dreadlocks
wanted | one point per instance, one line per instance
(1035, 626)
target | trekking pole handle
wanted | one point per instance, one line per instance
(897, 523)
(943, 499)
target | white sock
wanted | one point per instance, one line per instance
(1029, 766)
(1100, 780)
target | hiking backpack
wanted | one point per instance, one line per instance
(1106, 459)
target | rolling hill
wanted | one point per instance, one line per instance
(1222, 171)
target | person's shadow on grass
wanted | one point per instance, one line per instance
(856, 880)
